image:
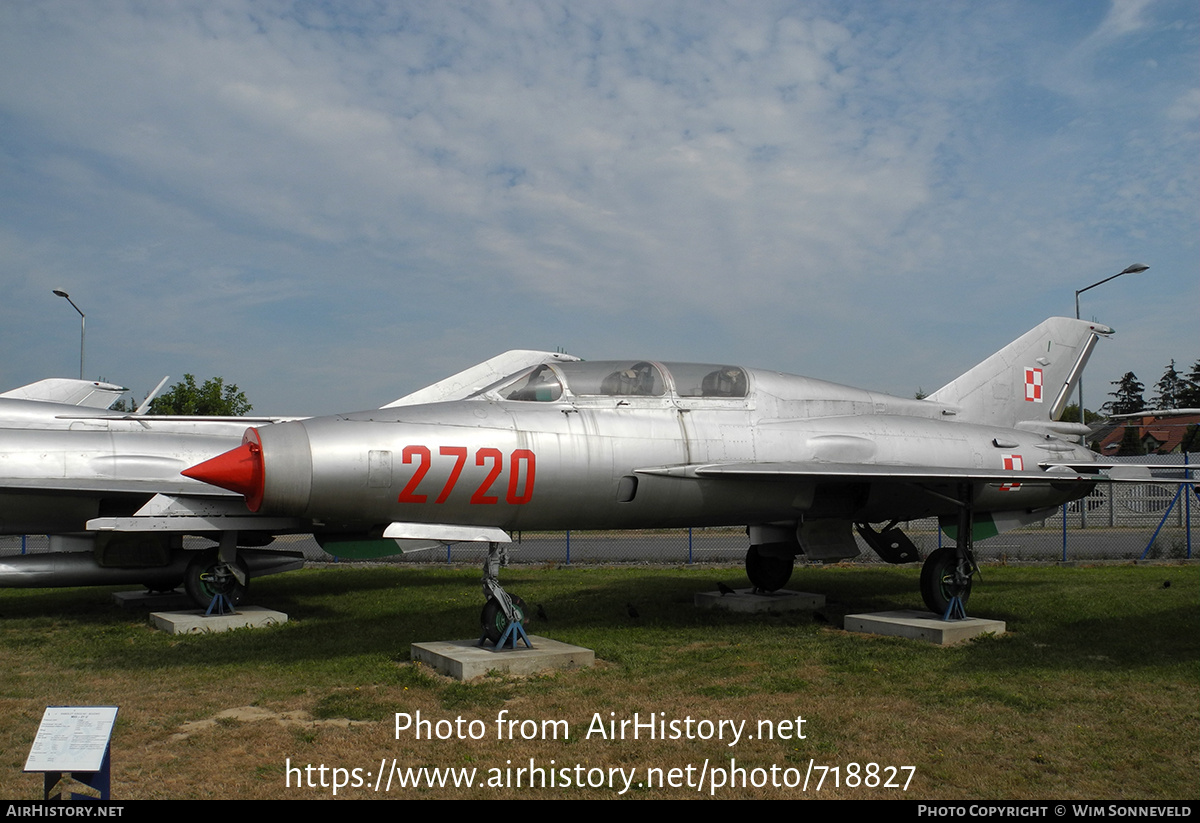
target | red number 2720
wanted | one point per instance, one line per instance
(521, 470)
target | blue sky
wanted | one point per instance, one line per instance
(332, 205)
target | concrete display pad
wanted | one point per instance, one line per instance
(922, 626)
(745, 600)
(154, 601)
(465, 659)
(194, 622)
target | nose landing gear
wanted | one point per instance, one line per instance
(503, 617)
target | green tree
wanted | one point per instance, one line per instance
(1128, 396)
(1170, 388)
(1131, 444)
(1189, 396)
(213, 398)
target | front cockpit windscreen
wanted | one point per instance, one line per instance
(540, 385)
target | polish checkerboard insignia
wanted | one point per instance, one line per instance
(1012, 462)
(1033, 385)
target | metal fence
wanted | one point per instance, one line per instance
(1115, 522)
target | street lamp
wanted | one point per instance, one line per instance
(83, 325)
(1135, 268)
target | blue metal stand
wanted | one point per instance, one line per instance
(220, 605)
(956, 610)
(512, 634)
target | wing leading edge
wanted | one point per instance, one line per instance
(1055, 474)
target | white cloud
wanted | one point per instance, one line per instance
(466, 175)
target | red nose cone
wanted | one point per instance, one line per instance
(239, 470)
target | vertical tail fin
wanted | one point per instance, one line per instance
(1030, 379)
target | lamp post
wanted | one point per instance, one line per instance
(83, 325)
(1133, 268)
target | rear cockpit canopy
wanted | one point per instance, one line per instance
(615, 378)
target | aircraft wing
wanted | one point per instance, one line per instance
(178, 418)
(195, 513)
(815, 470)
(110, 485)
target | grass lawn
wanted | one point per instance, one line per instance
(1094, 693)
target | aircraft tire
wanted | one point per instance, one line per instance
(494, 622)
(768, 572)
(937, 580)
(202, 581)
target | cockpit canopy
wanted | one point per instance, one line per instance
(615, 378)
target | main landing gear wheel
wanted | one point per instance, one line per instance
(941, 580)
(493, 620)
(768, 572)
(206, 578)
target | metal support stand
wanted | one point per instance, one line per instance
(218, 576)
(220, 605)
(956, 610)
(512, 634)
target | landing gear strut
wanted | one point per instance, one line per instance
(503, 617)
(214, 580)
(947, 574)
(208, 579)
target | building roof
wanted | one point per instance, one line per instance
(1166, 430)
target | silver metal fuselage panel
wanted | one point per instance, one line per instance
(56, 479)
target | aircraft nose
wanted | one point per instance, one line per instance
(239, 470)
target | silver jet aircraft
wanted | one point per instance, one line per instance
(65, 459)
(106, 487)
(802, 463)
